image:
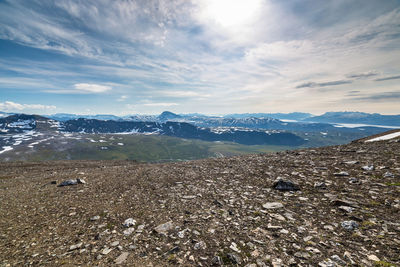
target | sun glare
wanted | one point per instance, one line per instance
(232, 13)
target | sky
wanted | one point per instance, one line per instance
(207, 56)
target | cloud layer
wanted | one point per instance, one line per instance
(202, 56)
(17, 107)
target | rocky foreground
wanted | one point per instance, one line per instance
(332, 206)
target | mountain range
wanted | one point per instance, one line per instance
(246, 118)
(20, 123)
(162, 137)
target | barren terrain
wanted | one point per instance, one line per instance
(207, 212)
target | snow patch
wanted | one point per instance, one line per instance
(384, 137)
(6, 148)
(357, 125)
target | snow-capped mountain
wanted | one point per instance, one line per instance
(66, 117)
(22, 123)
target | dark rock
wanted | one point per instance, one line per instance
(72, 182)
(216, 261)
(344, 202)
(342, 173)
(217, 203)
(234, 258)
(68, 182)
(287, 185)
(349, 225)
(174, 250)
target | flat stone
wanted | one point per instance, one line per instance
(373, 258)
(352, 162)
(313, 250)
(302, 255)
(76, 246)
(200, 245)
(80, 181)
(284, 231)
(121, 258)
(140, 228)
(114, 244)
(128, 231)
(95, 218)
(388, 175)
(353, 180)
(106, 250)
(327, 263)
(337, 259)
(346, 209)
(129, 222)
(234, 247)
(344, 202)
(320, 185)
(272, 205)
(368, 168)
(164, 228)
(277, 216)
(189, 197)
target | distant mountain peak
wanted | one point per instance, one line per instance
(167, 115)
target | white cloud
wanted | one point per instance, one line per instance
(187, 51)
(122, 98)
(12, 106)
(91, 87)
(160, 104)
(281, 50)
(183, 94)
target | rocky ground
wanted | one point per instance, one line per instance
(341, 208)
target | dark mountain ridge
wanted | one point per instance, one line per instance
(183, 130)
(22, 122)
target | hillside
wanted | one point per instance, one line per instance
(343, 210)
(37, 138)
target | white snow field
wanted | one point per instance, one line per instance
(384, 137)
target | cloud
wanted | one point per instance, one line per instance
(281, 50)
(388, 78)
(380, 97)
(362, 75)
(323, 84)
(122, 98)
(12, 106)
(354, 93)
(92, 88)
(160, 104)
(166, 51)
(184, 94)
